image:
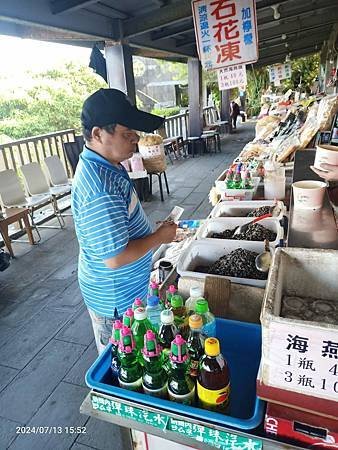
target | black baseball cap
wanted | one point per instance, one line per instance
(108, 106)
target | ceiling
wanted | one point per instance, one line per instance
(164, 28)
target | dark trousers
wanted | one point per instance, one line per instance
(234, 120)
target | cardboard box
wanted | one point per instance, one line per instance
(300, 358)
(300, 427)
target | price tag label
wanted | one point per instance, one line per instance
(200, 433)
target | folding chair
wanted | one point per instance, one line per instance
(36, 184)
(56, 172)
(13, 196)
(57, 176)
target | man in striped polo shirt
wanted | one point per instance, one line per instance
(114, 234)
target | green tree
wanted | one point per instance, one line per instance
(47, 102)
(304, 72)
(258, 81)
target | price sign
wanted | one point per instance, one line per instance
(279, 72)
(231, 77)
(197, 432)
(303, 360)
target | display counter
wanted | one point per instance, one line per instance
(308, 229)
(311, 228)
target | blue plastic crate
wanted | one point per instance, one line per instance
(241, 346)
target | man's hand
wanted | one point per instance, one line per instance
(139, 247)
(330, 175)
(166, 232)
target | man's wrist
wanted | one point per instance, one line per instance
(156, 240)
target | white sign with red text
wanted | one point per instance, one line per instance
(226, 32)
(231, 77)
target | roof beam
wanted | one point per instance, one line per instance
(275, 59)
(171, 32)
(296, 25)
(61, 6)
(37, 13)
(296, 51)
(290, 43)
(296, 15)
(167, 48)
(168, 15)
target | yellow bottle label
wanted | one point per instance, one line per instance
(213, 397)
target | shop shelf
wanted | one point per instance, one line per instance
(241, 346)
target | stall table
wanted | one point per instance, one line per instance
(153, 420)
(242, 440)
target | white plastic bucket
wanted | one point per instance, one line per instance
(308, 194)
(326, 154)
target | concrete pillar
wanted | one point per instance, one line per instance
(225, 107)
(119, 61)
(195, 97)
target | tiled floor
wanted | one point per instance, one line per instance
(46, 340)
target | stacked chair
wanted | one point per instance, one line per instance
(38, 191)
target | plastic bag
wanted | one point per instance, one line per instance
(328, 107)
(266, 126)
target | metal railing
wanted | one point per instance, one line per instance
(15, 154)
(178, 125)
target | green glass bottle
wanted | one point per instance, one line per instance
(180, 315)
(139, 327)
(154, 380)
(128, 318)
(181, 387)
(138, 303)
(114, 340)
(130, 372)
(168, 295)
(153, 289)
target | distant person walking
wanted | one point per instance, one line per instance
(234, 113)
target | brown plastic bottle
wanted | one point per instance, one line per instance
(213, 381)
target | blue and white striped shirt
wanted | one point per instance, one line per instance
(107, 215)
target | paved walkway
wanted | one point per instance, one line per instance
(46, 340)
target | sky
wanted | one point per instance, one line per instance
(20, 55)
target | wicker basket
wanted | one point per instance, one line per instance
(152, 151)
(157, 164)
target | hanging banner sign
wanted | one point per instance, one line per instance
(226, 32)
(231, 77)
(280, 72)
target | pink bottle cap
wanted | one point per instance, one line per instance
(138, 301)
(151, 347)
(127, 343)
(179, 350)
(172, 289)
(116, 332)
